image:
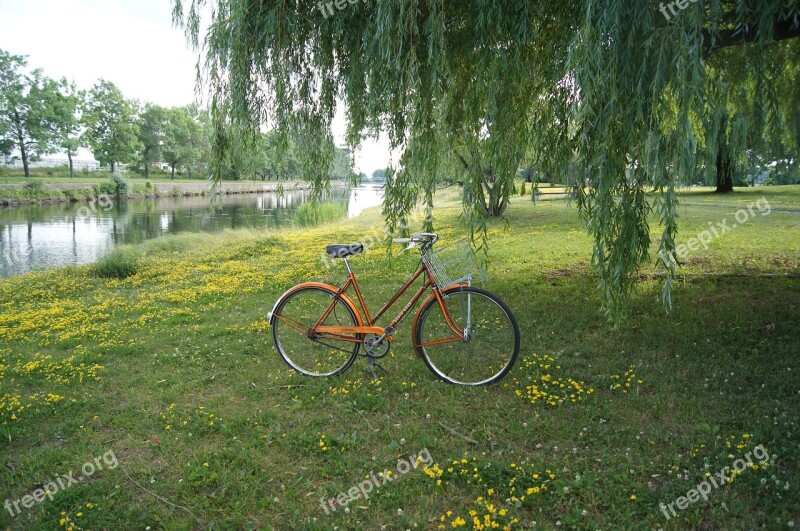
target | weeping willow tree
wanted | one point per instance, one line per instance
(618, 88)
(753, 110)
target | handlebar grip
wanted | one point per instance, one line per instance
(401, 240)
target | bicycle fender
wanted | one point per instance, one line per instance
(347, 300)
(445, 291)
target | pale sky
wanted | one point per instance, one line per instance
(129, 42)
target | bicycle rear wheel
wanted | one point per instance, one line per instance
(490, 344)
(292, 320)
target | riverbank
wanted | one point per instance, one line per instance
(172, 369)
(17, 194)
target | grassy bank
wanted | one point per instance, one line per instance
(61, 176)
(37, 192)
(172, 369)
(47, 186)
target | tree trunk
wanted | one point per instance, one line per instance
(21, 138)
(69, 156)
(113, 166)
(725, 168)
(173, 172)
(146, 169)
(495, 199)
(24, 153)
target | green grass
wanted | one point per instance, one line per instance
(312, 214)
(173, 369)
(119, 263)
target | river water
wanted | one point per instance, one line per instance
(43, 236)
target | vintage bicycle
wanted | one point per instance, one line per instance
(465, 335)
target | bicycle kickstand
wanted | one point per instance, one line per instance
(372, 365)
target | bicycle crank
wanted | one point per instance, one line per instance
(376, 347)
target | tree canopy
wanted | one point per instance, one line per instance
(619, 88)
(29, 110)
(152, 123)
(110, 124)
(68, 126)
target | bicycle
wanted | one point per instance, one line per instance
(473, 338)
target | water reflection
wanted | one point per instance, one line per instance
(364, 196)
(39, 237)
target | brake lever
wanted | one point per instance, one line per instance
(411, 245)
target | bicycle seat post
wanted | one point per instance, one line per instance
(347, 265)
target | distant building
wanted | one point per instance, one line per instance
(47, 162)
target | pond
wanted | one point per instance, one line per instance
(44, 236)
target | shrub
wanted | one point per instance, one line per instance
(105, 188)
(119, 263)
(121, 184)
(523, 190)
(34, 186)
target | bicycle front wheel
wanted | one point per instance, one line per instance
(305, 352)
(490, 344)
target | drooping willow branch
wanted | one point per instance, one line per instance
(606, 94)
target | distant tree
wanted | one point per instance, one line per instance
(246, 156)
(151, 129)
(199, 140)
(180, 138)
(753, 117)
(785, 171)
(342, 165)
(27, 103)
(281, 157)
(6, 147)
(67, 123)
(110, 122)
(379, 174)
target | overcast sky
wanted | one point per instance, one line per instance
(129, 42)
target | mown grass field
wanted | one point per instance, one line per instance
(173, 370)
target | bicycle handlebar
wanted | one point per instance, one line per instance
(419, 237)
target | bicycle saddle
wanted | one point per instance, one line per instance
(343, 250)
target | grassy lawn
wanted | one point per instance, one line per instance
(167, 384)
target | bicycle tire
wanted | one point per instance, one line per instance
(304, 354)
(458, 362)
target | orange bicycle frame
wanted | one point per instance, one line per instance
(342, 332)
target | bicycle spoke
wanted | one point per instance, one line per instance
(491, 346)
(296, 316)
